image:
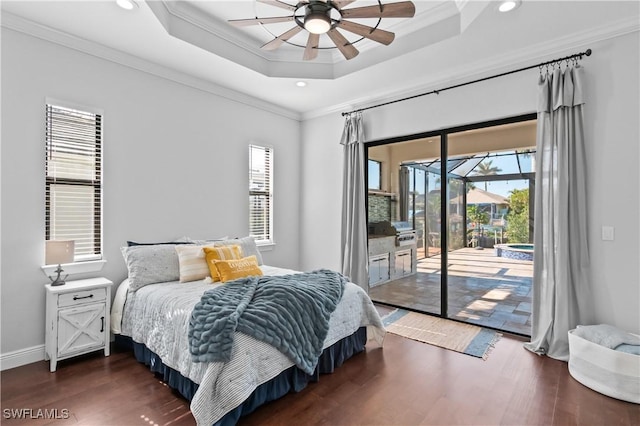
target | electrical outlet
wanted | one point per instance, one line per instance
(607, 233)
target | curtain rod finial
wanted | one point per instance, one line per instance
(588, 52)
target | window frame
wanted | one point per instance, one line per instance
(93, 261)
(379, 163)
(267, 192)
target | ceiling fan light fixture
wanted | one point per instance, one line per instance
(317, 24)
(326, 17)
(316, 17)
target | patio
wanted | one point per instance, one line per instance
(483, 289)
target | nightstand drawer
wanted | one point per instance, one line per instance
(80, 297)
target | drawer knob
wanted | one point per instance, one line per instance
(83, 297)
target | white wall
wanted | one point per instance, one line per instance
(175, 163)
(613, 160)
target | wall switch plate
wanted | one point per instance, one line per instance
(607, 233)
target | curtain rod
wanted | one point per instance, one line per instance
(540, 65)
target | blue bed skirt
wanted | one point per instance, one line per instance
(290, 380)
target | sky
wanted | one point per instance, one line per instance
(504, 187)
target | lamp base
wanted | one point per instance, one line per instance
(58, 281)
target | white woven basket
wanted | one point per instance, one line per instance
(610, 372)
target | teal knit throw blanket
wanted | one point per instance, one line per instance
(290, 312)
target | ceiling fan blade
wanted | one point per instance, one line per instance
(343, 44)
(256, 21)
(375, 34)
(277, 42)
(277, 3)
(311, 51)
(404, 9)
(342, 3)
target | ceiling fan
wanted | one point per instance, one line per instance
(319, 17)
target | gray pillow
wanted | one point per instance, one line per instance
(151, 264)
(606, 335)
(248, 245)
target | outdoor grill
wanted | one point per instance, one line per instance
(405, 234)
(403, 231)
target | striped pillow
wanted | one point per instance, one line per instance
(212, 254)
(192, 263)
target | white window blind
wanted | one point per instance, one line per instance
(261, 193)
(73, 175)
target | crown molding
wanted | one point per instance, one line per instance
(494, 65)
(25, 26)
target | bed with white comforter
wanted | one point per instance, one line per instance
(158, 316)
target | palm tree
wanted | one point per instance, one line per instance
(486, 169)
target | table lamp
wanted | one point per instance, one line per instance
(59, 251)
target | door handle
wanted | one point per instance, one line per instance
(102, 326)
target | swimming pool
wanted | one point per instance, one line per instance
(515, 251)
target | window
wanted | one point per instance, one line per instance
(73, 179)
(261, 194)
(375, 172)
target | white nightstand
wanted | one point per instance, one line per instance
(77, 319)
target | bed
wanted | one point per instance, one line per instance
(154, 321)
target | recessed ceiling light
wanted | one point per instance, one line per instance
(508, 5)
(127, 4)
(301, 83)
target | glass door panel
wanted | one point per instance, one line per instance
(414, 190)
(489, 273)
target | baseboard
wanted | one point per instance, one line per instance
(21, 357)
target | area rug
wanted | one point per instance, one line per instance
(468, 339)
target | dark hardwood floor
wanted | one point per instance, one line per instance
(404, 383)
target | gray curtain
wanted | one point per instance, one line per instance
(404, 193)
(561, 289)
(355, 260)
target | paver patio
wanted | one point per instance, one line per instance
(483, 289)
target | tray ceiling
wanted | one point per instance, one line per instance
(446, 42)
(204, 24)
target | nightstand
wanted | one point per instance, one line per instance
(77, 319)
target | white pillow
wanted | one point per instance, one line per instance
(192, 262)
(151, 264)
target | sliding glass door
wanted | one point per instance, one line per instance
(467, 195)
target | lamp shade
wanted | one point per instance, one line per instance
(59, 251)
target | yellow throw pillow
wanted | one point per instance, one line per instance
(220, 253)
(239, 268)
